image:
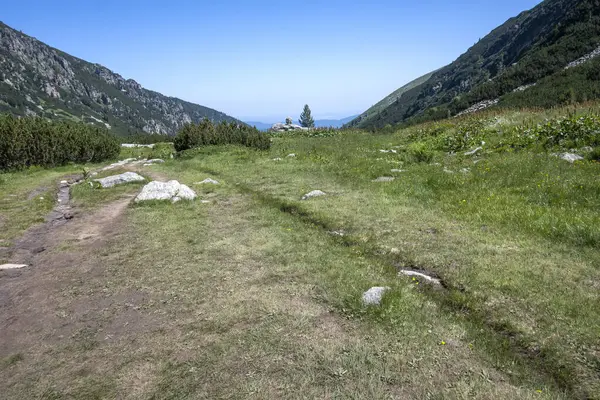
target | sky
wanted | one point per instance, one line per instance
(263, 60)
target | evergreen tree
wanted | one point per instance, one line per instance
(306, 120)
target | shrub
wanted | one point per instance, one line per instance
(420, 152)
(206, 133)
(26, 142)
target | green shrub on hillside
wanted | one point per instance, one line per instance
(26, 142)
(206, 133)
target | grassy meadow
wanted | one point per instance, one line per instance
(257, 294)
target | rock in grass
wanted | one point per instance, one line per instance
(384, 179)
(373, 296)
(425, 278)
(291, 155)
(314, 193)
(570, 157)
(474, 151)
(113, 180)
(207, 180)
(172, 190)
(395, 170)
(12, 266)
(155, 161)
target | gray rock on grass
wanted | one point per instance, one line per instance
(114, 180)
(384, 179)
(314, 193)
(208, 180)
(474, 151)
(171, 190)
(12, 266)
(373, 296)
(421, 276)
(570, 157)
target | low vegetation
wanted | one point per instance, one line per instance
(26, 142)
(206, 133)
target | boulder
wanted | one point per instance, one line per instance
(384, 179)
(474, 151)
(171, 190)
(373, 296)
(113, 180)
(570, 157)
(314, 193)
(207, 180)
(12, 266)
(420, 276)
(279, 127)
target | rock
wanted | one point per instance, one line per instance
(64, 182)
(291, 155)
(207, 180)
(384, 179)
(12, 266)
(570, 157)
(465, 170)
(421, 276)
(171, 190)
(479, 106)
(204, 201)
(279, 127)
(397, 170)
(132, 145)
(113, 180)
(155, 161)
(446, 170)
(583, 59)
(473, 152)
(587, 149)
(314, 193)
(277, 159)
(373, 296)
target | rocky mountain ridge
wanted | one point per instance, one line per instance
(36, 79)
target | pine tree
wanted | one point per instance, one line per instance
(306, 120)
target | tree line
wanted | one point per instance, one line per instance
(206, 133)
(36, 141)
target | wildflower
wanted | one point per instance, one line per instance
(443, 343)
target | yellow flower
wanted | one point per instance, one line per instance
(442, 343)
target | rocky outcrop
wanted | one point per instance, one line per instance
(114, 180)
(479, 106)
(279, 127)
(171, 190)
(38, 79)
(584, 59)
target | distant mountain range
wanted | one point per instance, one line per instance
(36, 79)
(543, 57)
(319, 123)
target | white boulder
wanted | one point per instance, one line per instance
(314, 193)
(171, 190)
(384, 179)
(208, 180)
(373, 296)
(570, 157)
(12, 266)
(113, 180)
(421, 276)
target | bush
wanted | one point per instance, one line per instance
(26, 142)
(420, 152)
(206, 133)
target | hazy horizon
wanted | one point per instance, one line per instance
(264, 61)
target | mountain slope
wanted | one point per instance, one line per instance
(335, 123)
(524, 50)
(372, 112)
(36, 79)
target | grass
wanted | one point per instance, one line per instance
(251, 296)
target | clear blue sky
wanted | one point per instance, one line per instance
(263, 60)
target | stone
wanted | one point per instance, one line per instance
(446, 170)
(587, 149)
(421, 276)
(373, 296)
(279, 127)
(277, 159)
(474, 151)
(384, 179)
(132, 145)
(465, 170)
(155, 161)
(113, 180)
(291, 155)
(208, 180)
(397, 170)
(570, 157)
(12, 266)
(171, 190)
(314, 193)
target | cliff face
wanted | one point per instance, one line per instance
(36, 79)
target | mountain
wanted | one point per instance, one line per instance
(319, 123)
(336, 123)
(372, 112)
(261, 126)
(36, 79)
(542, 57)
